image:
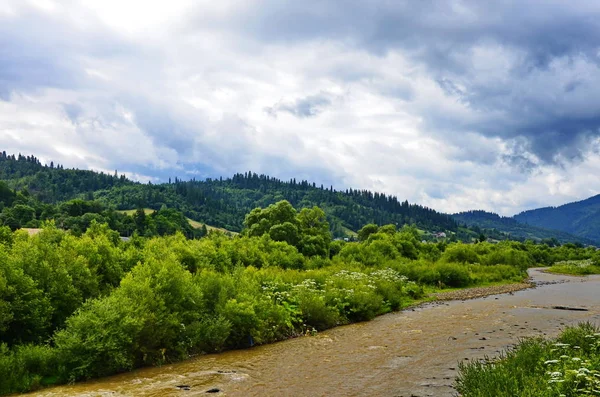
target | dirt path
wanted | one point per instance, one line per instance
(410, 353)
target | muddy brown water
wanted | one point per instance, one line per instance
(410, 353)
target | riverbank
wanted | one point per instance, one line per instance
(566, 366)
(411, 352)
(480, 292)
(574, 268)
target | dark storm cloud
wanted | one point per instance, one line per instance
(531, 38)
(438, 30)
(555, 130)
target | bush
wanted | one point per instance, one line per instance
(482, 274)
(315, 311)
(510, 256)
(208, 335)
(453, 275)
(460, 253)
(27, 367)
(142, 322)
(244, 323)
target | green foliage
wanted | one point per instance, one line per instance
(218, 202)
(78, 215)
(82, 305)
(460, 253)
(25, 310)
(366, 231)
(142, 322)
(568, 366)
(510, 253)
(307, 230)
(576, 267)
(27, 367)
(453, 275)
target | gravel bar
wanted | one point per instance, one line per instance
(479, 292)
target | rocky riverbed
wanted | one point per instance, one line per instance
(480, 292)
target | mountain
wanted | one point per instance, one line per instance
(224, 202)
(581, 218)
(517, 230)
(218, 202)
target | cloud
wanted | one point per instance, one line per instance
(309, 106)
(516, 65)
(456, 105)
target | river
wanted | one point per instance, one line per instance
(410, 353)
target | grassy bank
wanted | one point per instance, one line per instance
(566, 366)
(576, 267)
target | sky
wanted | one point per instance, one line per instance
(455, 104)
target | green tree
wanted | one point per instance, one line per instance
(23, 213)
(314, 232)
(287, 232)
(24, 310)
(366, 231)
(260, 221)
(140, 221)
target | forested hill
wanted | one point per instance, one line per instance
(218, 202)
(581, 218)
(53, 183)
(517, 230)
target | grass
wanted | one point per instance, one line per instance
(193, 223)
(564, 367)
(147, 211)
(198, 225)
(349, 232)
(575, 267)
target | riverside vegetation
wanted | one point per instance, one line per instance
(75, 307)
(581, 267)
(564, 367)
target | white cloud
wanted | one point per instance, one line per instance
(448, 118)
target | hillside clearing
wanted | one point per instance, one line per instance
(193, 223)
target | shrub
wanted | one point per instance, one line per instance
(315, 311)
(208, 335)
(453, 275)
(460, 253)
(482, 274)
(510, 256)
(244, 323)
(27, 367)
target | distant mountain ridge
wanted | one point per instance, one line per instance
(581, 218)
(518, 230)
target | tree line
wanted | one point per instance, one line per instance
(19, 209)
(221, 202)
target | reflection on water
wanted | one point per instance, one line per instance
(414, 352)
